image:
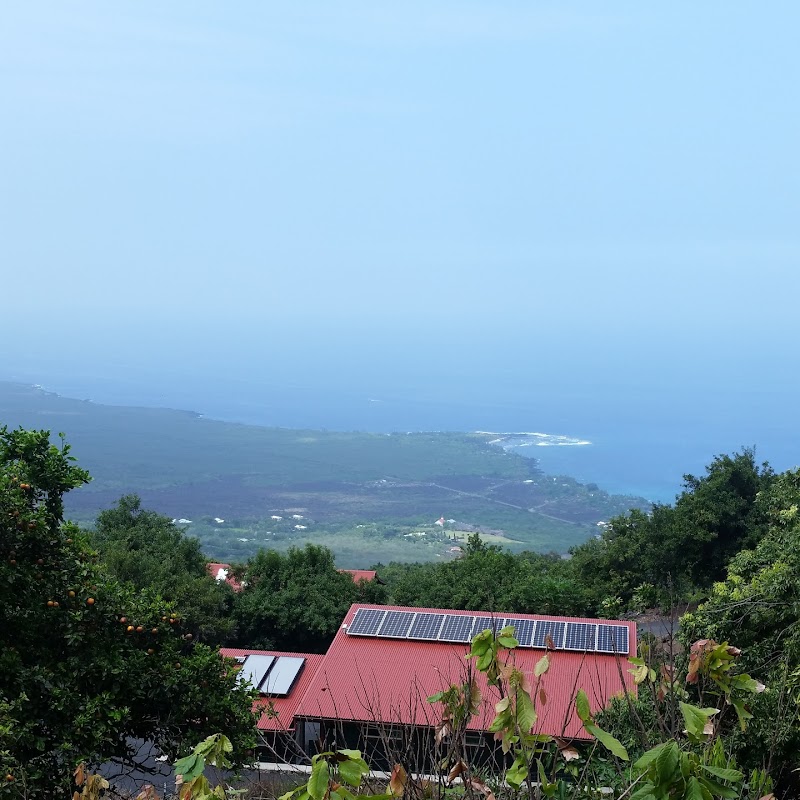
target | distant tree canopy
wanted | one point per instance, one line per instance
(297, 601)
(145, 549)
(89, 665)
(489, 578)
(684, 547)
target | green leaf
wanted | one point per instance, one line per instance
(694, 791)
(651, 755)
(517, 773)
(350, 771)
(741, 712)
(668, 762)
(190, 767)
(718, 790)
(644, 792)
(611, 744)
(318, 782)
(542, 665)
(526, 713)
(355, 755)
(725, 774)
(696, 719)
(582, 706)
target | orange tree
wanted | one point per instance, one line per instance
(89, 667)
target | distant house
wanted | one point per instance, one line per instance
(362, 575)
(440, 522)
(300, 527)
(276, 517)
(222, 572)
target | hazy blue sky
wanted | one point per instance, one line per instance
(569, 172)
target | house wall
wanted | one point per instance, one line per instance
(383, 745)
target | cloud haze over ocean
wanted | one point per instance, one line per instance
(538, 197)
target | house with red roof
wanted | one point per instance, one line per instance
(223, 572)
(370, 690)
(362, 575)
(282, 680)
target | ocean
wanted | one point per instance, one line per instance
(640, 431)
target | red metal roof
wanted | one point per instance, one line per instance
(361, 574)
(370, 679)
(213, 570)
(284, 707)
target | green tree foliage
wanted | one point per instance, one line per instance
(490, 579)
(758, 606)
(88, 665)
(297, 601)
(682, 547)
(145, 549)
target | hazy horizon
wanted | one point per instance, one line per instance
(585, 214)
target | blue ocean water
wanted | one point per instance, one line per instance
(643, 439)
(650, 417)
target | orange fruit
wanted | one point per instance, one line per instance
(90, 601)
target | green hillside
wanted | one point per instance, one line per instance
(190, 467)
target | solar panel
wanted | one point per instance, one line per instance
(523, 630)
(456, 628)
(396, 624)
(580, 636)
(426, 626)
(612, 639)
(482, 623)
(254, 669)
(551, 628)
(366, 622)
(283, 675)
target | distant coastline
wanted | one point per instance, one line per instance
(518, 439)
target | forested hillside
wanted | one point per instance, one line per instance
(238, 488)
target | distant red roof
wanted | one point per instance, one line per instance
(361, 574)
(213, 570)
(284, 707)
(369, 679)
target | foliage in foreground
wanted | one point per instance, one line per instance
(690, 760)
(89, 666)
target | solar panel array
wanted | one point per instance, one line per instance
(601, 637)
(271, 675)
